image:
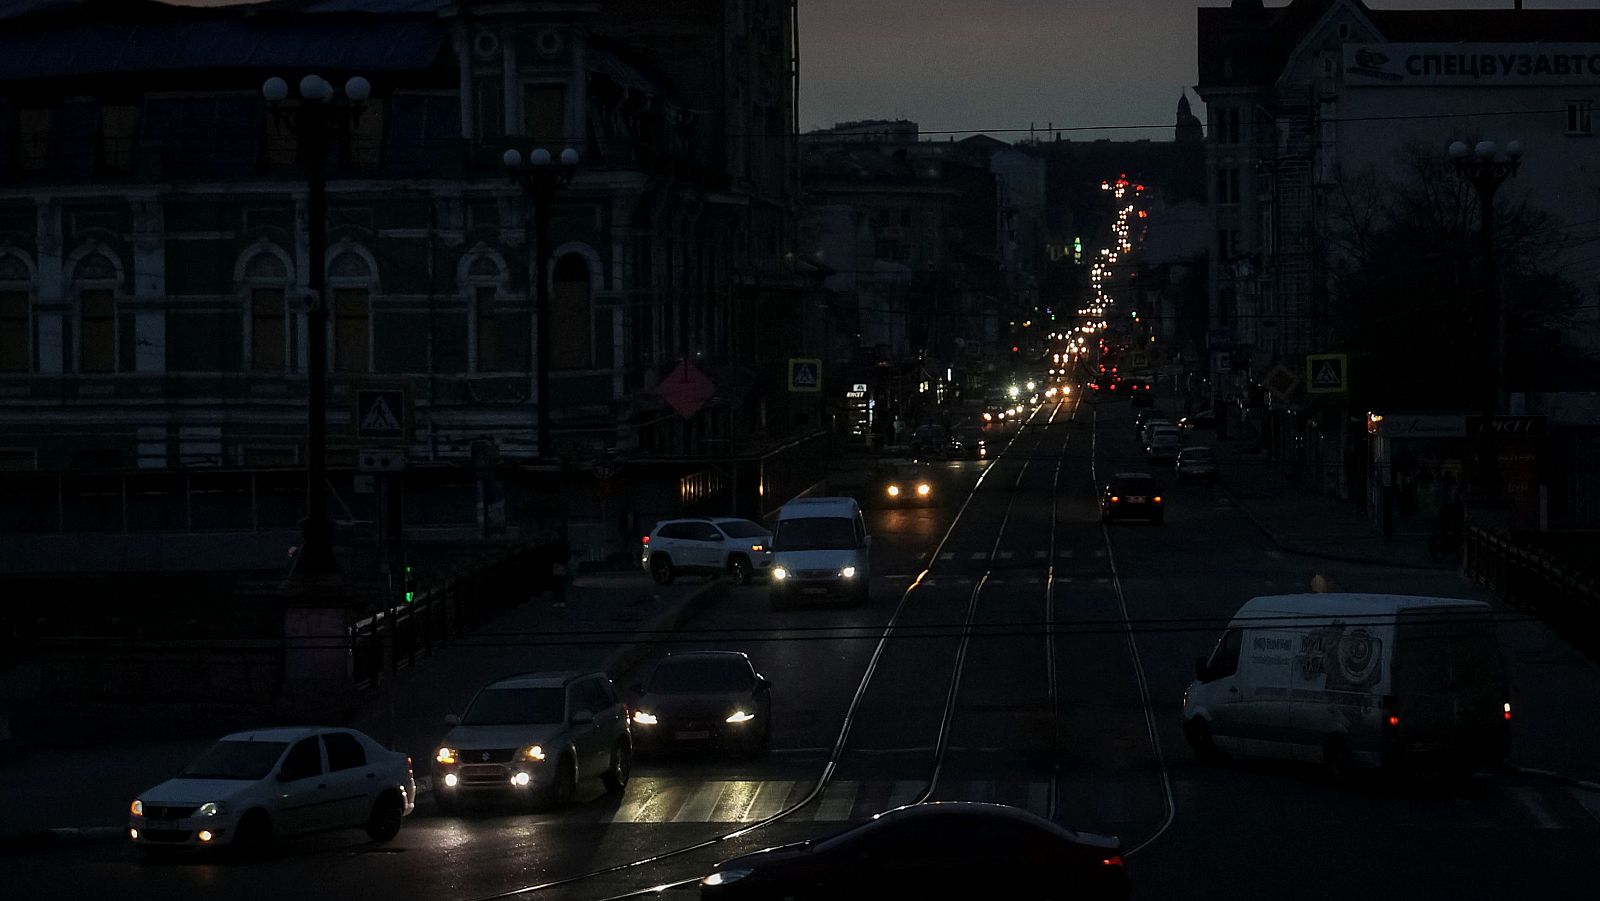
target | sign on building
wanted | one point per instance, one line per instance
(805, 375)
(382, 414)
(1326, 374)
(1470, 65)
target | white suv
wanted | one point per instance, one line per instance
(738, 547)
(534, 736)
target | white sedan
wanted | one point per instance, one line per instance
(251, 787)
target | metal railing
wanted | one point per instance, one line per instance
(1538, 582)
(398, 636)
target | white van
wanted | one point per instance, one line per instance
(820, 549)
(1354, 680)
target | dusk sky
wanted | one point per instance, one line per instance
(1003, 64)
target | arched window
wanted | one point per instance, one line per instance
(571, 314)
(350, 282)
(265, 278)
(484, 282)
(95, 280)
(16, 313)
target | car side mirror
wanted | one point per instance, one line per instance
(1200, 671)
(452, 719)
(583, 717)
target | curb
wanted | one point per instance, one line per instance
(627, 656)
(69, 835)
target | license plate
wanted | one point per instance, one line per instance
(160, 824)
(1135, 498)
(814, 591)
(690, 736)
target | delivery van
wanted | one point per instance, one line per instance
(1354, 680)
(820, 551)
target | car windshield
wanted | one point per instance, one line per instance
(742, 528)
(691, 674)
(506, 706)
(243, 760)
(815, 533)
(1198, 455)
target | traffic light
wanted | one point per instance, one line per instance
(410, 585)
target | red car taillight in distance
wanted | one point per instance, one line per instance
(645, 540)
(1114, 860)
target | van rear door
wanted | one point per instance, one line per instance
(1450, 687)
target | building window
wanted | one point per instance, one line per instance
(571, 315)
(486, 331)
(544, 108)
(1579, 117)
(351, 336)
(16, 331)
(119, 131)
(269, 330)
(97, 330)
(1227, 186)
(33, 137)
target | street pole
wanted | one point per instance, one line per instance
(313, 121)
(1485, 169)
(540, 180)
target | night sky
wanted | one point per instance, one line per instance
(1003, 64)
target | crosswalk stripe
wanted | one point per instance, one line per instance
(1005, 555)
(1039, 798)
(904, 792)
(1066, 553)
(948, 555)
(700, 805)
(642, 806)
(1532, 801)
(768, 801)
(838, 800)
(1099, 552)
(1040, 555)
(978, 555)
(735, 802)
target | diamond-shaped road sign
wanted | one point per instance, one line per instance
(686, 389)
(381, 414)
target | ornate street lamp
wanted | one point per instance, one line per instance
(315, 121)
(541, 177)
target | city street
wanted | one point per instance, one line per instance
(1015, 650)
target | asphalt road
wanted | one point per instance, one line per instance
(1037, 659)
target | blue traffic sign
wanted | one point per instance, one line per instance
(805, 375)
(382, 414)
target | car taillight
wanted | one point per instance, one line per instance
(1393, 720)
(1115, 499)
(1114, 860)
(1156, 499)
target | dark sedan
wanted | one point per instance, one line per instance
(1132, 495)
(706, 699)
(950, 849)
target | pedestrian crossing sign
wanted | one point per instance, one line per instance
(381, 413)
(1326, 374)
(805, 375)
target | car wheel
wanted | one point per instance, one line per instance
(661, 569)
(383, 824)
(616, 775)
(560, 792)
(741, 569)
(254, 834)
(1198, 734)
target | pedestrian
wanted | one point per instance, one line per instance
(560, 566)
(1452, 513)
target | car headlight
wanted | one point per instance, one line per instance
(739, 716)
(849, 572)
(445, 755)
(779, 574)
(211, 809)
(644, 719)
(923, 489)
(533, 752)
(724, 877)
(894, 490)
(758, 547)
(136, 808)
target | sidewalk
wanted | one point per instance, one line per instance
(82, 794)
(1304, 523)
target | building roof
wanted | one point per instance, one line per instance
(64, 38)
(1270, 35)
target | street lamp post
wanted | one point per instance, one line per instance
(540, 179)
(315, 121)
(1485, 168)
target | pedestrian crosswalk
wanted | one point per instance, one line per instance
(1106, 804)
